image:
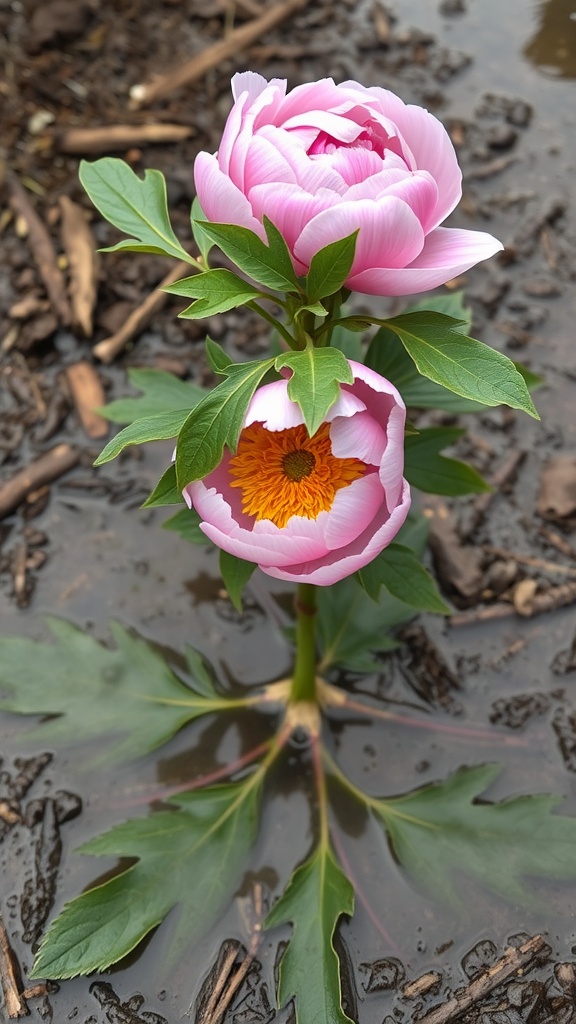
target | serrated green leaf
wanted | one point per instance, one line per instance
(218, 359)
(352, 627)
(315, 381)
(403, 575)
(128, 693)
(387, 356)
(204, 243)
(316, 897)
(235, 573)
(426, 469)
(186, 523)
(216, 422)
(216, 291)
(162, 393)
(166, 491)
(270, 265)
(463, 365)
(192, 858)
(330, 267)
(151, 428)
(440, 830)
(137, 206)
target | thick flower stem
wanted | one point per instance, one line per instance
(303, 686)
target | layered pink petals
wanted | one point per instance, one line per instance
(366, 423)
(325, 160)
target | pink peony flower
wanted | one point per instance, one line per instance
(311, 509)
(328, 159)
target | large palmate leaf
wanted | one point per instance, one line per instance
(441, 831)
(138, 206)
(314, 900)
(127, 693)
(315, 382)
(162, 392)
(193, 858)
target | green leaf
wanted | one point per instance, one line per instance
(128, 693)
(314, 384)
(235, 573)
(217, 421)
(388, 357)
(193, 858)
(330, 267)
(204, 243)
(216, 291)
(426, 469)
(463, 365)
(317, 895)
(399, 571)
(269, 265)
(162, 393)
(349, 342)
(187, 524)
(218, 359)
(137, 206)
(150, 428)
(352, 627)
(450, 303)
(166, 491)
(440, 831)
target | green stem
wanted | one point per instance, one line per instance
(304, 678)
(282, 330)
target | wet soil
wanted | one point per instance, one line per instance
(76, 544)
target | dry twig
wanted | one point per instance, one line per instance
(80, 249)
(118, 137)
(109, 348)
(505, 472)
(43, 251)
(514, 962)
(87, 393)
(44, 470)
(14, 1000)
(212, 56)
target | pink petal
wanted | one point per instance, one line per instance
(290, 208)
(354, 163)
(322, 95)
(311, 175)
(447, 253)
(376, 186)
(260, 107)
(264, 163)
(337, 127)
(390, 234)
(219, 198)
(336, 566)
(358, 437)
(353, 509)
(271, 406)
(420, 192)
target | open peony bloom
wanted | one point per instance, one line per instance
(328, 159)
(311, 509)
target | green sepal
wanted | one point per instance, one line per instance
(330, 267)
(204, 243)
(137, 206)
(315, 382)
(235, 573)
(398, 570)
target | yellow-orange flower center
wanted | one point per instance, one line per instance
(285, 473)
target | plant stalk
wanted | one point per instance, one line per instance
(303, 686)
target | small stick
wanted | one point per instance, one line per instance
(43, 250)
(15, 1002)
(48, 467)
(536, 563)
(486, 613)
(113, 137)
(87, 393)
(558, 541)
(109, 348)
(80, 249)
(496, 166)
(229, 981)
(212, 56)
(514, 961)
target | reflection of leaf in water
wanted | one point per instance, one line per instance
(314, 900)
(99, 693)
(193, 857)
(439, 831)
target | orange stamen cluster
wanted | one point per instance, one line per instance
(285, 473)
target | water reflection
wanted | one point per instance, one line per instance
(553, 48)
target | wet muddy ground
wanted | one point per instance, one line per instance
(75, 544)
